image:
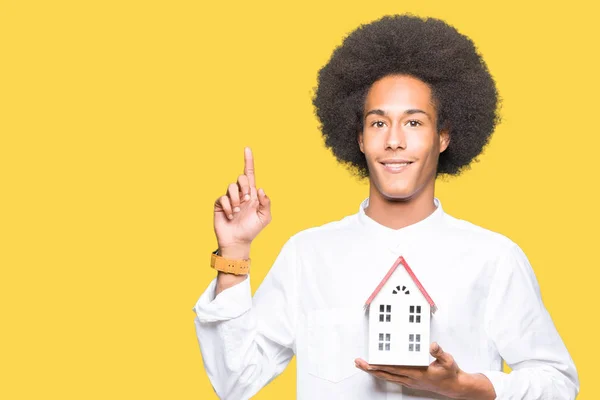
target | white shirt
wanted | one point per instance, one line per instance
(310, 304)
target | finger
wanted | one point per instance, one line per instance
(249, 166)
(244, 187)
(436, 351)
(264, 201)
(361, 362)
(411, 372)
(234, 197)
(264, 207)
(226, 206)
(253, 193)
(404, 380)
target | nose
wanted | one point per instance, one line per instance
(395, 138)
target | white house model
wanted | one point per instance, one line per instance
(399, 319)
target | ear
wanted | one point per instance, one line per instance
(360, 142)
(444, 139)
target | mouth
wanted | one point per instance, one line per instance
(395, 167)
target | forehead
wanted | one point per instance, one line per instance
(398, 93)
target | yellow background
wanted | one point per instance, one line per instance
(121, 122)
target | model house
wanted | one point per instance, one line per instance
(399, 319)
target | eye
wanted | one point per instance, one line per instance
(378, 124)
(414, 123)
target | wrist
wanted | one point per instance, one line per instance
(225, 281)
(474, 387)
(235, 252)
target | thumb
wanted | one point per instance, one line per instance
(437, 352)
(264, 202)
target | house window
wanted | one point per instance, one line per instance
(385, 313)
(414, 342)
(414, 314)
(384, 341)
(402, 289)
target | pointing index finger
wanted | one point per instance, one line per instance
(249, 166)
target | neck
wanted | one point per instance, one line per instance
(397, 214)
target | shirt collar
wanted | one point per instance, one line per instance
(411, 233)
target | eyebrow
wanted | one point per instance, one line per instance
(411, 111)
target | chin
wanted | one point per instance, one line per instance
(398, 196)
(396, 193)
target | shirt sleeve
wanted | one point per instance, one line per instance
(525, 336)
(246, 342)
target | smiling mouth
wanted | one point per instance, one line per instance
(396, 167)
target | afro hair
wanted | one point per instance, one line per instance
(429, 49)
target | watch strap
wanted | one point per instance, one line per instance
(230, 266)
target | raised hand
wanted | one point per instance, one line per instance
(243, 211)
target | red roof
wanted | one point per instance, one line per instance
(402, 261)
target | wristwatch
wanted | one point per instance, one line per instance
(236, 267)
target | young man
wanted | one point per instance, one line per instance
(401, 101)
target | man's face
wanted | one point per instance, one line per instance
(400, 126)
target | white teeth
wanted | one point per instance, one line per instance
(396, 164)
